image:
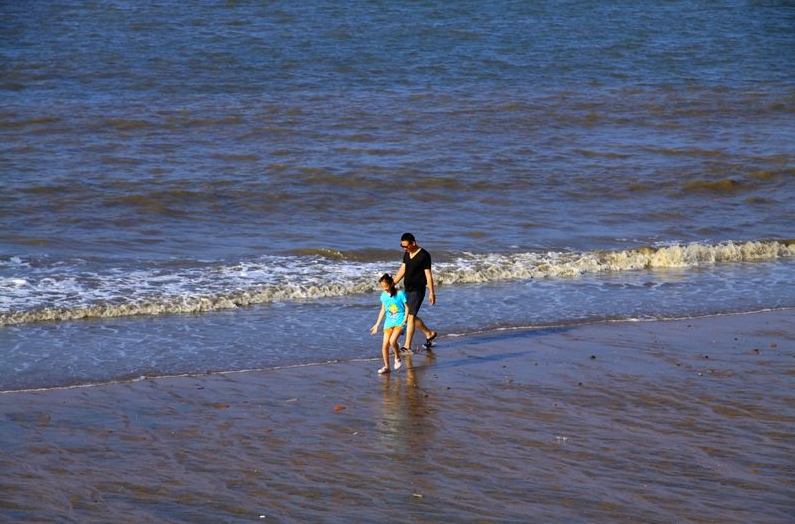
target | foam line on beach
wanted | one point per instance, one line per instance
(590, 322)
(75, 294)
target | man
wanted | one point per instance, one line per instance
(416, 268)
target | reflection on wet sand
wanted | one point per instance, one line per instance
(407, 422)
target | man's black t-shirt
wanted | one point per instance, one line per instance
(414, 278)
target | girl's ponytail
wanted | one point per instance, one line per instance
(386, 277)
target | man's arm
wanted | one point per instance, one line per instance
(400, 273)
(429, 278)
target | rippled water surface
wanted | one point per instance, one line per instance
(241, 157)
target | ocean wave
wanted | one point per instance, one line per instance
(70, 291)
(521, 266)
(183, 304)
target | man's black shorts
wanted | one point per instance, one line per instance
(414, 299)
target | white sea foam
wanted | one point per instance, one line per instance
(472, 268)
(64, 292)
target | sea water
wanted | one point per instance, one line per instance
(219, 186)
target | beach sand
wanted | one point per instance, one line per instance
(665, 421)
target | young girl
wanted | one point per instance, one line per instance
(394, 308)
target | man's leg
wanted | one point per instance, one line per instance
(415, 299)
(419, 324)
(409, 331)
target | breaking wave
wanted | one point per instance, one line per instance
(32, 291)
(494, 267)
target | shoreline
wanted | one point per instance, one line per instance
(449, 339)
(686, 420)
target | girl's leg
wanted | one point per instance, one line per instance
(385, 347)
(393, 341)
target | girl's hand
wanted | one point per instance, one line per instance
(374, 329)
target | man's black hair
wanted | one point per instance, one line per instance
(408, 237)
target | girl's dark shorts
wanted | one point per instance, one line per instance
(414, 300)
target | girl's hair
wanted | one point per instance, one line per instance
(386, 277)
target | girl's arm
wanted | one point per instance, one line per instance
(374, 329)
(405, 313)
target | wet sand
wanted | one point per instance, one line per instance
(688, 421)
